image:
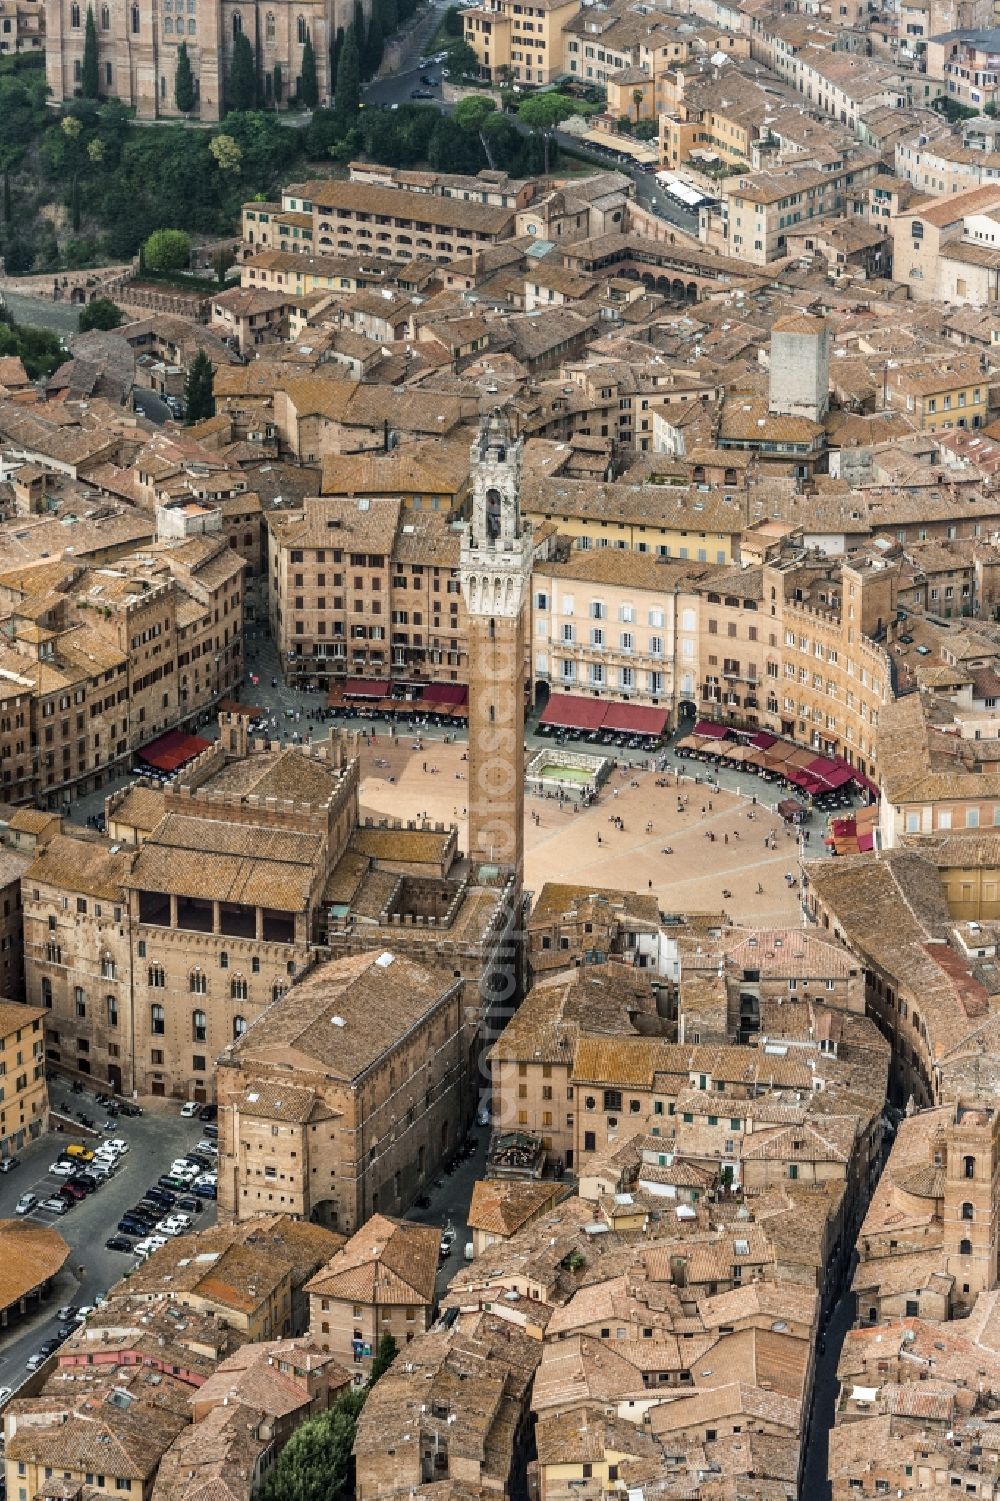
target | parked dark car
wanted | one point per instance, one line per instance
(82, 1181)
(205, 1190)
(69, 1190)
(161, 1196)
(130, 1225)
(208, 1112)
(188, 1204)
(119, 1243)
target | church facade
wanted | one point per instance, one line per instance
(138, 42)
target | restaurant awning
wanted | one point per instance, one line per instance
(445, 693)
(866, 783)
(637, 719)
(762, 740)
(711, 729)
(172, 750)
(568, 713)
(367, 688)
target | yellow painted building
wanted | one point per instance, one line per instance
(940, 394)
(24, 1097)
(660, 520)
(522, 42)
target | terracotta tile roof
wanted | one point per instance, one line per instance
(29, 1255)
(501, 1208)
(387, 1262)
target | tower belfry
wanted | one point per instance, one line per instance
(496, 578)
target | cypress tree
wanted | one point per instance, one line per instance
(74, 203)
(373, 45)
(348, 97)
(198, 388)
(183, 81)
(242, 75)
(308, 88)
(89, 75)
(8, 201)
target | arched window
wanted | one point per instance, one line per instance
(238, 988)
(239, 1027)
(300, 28)
(199, 1026)
(237, 24)
(969, 1165)
(105, 18)
(968, 1213)
(135, 20)
(198, 982)
(277, 990)
(74, 17)
(109, 968)
(156, 1020)
(269, 27)
(168, 25)
(157, 979)
(965, 1248)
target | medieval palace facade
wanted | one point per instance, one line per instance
(138, 42)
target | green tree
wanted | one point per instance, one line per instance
(227, 153)
(637, 97)
(472, 111)
(384, 1357)
(453, 149)
(277, 84)
(8, 201)
(316, 1464)
(454, 22)
(374, 45)
(348, 93)
(389, 16)
(542, 113)
(89, 75)
(183, 81)
(101, 313)
(74, 203)
(462, 60)
(222, 262)
(167, 250)
(198, 388)
(308, 86)
(242, 75)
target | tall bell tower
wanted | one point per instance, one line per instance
(496, 579)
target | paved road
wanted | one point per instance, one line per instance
(449, 1205)
(61, 317)
(154, 1141)
(150, 405)
(396, 88)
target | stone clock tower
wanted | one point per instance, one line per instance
(496, 580)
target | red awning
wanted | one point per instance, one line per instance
(638, 719)
(711, 729)
(866, 783)
(570, 713)
(866, 842)
(762, 740)
(172, 750)
(367, 688)
(822, 766)
(445, 693)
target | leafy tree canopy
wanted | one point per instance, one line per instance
(167, 250)
(100, 313)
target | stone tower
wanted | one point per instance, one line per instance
(496, 579)
(972, 1200)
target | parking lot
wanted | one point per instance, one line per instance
(154, 1140)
